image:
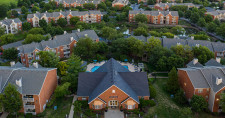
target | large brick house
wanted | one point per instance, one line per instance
(113, 85)
(91, 16)
(61, 45)
(219, 14)
(35, 84)
(120, 3)
(11, 25)
(166, 6)
(157, 17)
(207, 81)
(75, 3)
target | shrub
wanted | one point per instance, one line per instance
(89, 113)
(152, 92)
(29, 115)
(180, 97)
(198, 103)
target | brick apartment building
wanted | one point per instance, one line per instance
(166, 6)
(207, 81)
(35, 84)
(91, 16)
(75, 3)
(61, 45)
(157, 17)
(11, 25)
(113, 85)
(219, 14)
(120, 3)
(218, 48)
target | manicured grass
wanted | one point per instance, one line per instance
(63, 108)
(166, 107)
(8, 1)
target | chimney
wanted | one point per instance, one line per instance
(12, 63)
(13, 21)
(169, 12)
(36, 11)
(35, 64)
(78, 30)
(218, 81)
(192, 37)
(178, 43)
(19, 82)
(85, 35)
(195, 61)
(65, 32)
(70, 10)
(46, 12)
(60, 10)
(197, 45)
(218, 59)
(71, 39)
(6, 18)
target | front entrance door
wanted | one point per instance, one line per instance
(113, 103)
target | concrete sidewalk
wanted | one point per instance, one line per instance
(4, 115)
(72, 107)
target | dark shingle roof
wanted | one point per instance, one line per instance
(168, 43)
(109, 74)
(191, 64)
(13, 45)
(213, 62)
(32, 78)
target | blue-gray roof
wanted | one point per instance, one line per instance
(32, 78)
(109, 74)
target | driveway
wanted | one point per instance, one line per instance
(114, 113)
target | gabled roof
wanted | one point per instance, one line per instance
(193, 43)
(12, 45)
(32, 78)
(213, 62)
(191, 64)
(168, 42)
(154, 13)
(59, 40)
(218, 46)
(8, 22)
(110, 74)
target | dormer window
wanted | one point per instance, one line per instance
(113, 91)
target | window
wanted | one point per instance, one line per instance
(98, 106)
(185, 84)
(200, 90)
(131, 106)
(84, 98)
(113, 91)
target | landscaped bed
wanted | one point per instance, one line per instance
(167, 108)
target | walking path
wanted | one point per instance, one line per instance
(114, 113)
(72, 107)
(4, 115)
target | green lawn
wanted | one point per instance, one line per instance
(166, 107)
(8, 1)
(63, 108)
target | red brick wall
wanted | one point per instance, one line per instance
(204, 93)
(48, 88)
(106, 96)
(188, 89)
(118, 5)
(216, 103)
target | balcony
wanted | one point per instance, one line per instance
(67, 52)
(29, 106)
(28, 99)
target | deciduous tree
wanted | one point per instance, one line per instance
(48, 59)
(11, 99)
(10, 54)
(198, 103)
(140, 18)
